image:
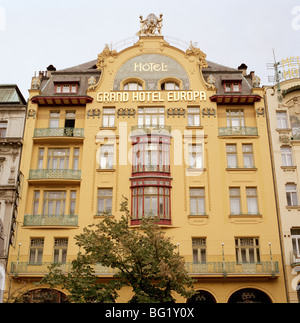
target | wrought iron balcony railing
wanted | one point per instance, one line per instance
(42, 268)
(233, 268)
(238, 131)
(295, 257)
(264, 268)
(151, 129)
(59, 132)
(50, 220)
(70, 174)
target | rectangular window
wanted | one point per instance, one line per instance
(235, 118)
(235, 200)
(247, 250)
(41, 158)
(193, 117)
(291, 195)
(151, 117)
(72, 202)
(60, 250)
(151, 201)
(36, 201)
(104, 201)
(252, 200)
(70, 123)
(197, 201)
(282, 120)
(295, 234)
(106, 157)
(36, 251)
(54, 202)
(58, 158)
(108, 117)
(75, 158)
(3, 129)
(195, 156)
(286, 156)
(231, 156)
(54, 119)
(199, 250)
(248, 156)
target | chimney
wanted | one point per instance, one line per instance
(243, 68)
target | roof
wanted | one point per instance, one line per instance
(10, 94)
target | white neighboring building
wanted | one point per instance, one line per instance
(283, 105)
(12, 121)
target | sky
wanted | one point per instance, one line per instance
(65, 33)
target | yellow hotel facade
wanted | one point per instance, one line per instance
(182, 138)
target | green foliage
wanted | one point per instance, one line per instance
(145, 260)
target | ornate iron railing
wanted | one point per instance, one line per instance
(151, 129)
(295, 257)
(50, 220)
(71, 174)
(210, 268)
(238, 131)
(59, 132)
(231, 268)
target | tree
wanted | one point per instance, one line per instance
(144, 259)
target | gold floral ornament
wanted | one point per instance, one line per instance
(107, 55)
(193, 53)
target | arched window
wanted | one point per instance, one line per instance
(170, 86)
(202, 297)
(133, 86)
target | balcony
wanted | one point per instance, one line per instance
(217, 269)
(54, 174)
(263, 268)
(238, 131)
(295, 258)
(150, 129)
(43, 220)
(46, 134)
(40, 269)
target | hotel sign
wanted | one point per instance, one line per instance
(151, 96)
(290, 67)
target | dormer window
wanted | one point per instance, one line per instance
(133, 86)
(170, 86)
(66, 88)
(232, 87)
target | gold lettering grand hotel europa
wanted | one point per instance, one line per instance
(151, 96)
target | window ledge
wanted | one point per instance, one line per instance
(245, 215)
(106, 170)
(108, 128)
(194, 127)
(287, 168)
(294, 207)
(241, 169)
(103, 216)
(198, 216)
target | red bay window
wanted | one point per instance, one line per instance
(151, 198)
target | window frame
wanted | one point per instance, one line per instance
(247, 243)
(105, 198)
(200, 211)
(3, 129)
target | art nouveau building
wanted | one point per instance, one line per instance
(283, 102)
(12, 121)
(183, 138)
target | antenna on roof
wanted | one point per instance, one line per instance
(277, 77)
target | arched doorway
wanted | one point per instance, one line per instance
(43, 296)
(202, 297)
(249, 295)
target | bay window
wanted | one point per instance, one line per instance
(151, 201)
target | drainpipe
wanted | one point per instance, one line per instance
(276, 198)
